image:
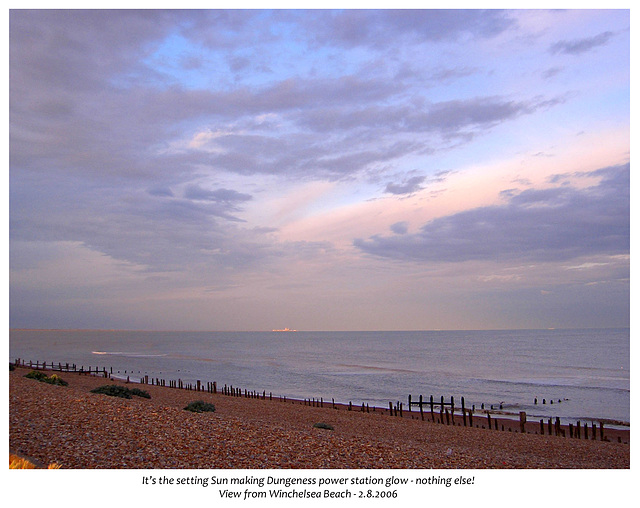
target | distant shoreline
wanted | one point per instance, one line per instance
(143, 330)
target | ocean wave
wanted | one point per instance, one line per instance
(128, 354)
(375, 368)
(549, 383)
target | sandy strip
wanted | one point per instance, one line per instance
(77, 429)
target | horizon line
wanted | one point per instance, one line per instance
(312, 331)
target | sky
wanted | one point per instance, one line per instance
(319, 169)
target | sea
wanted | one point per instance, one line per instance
(575, 375)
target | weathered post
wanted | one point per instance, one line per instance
(409, 402)
(464, 414)
(453, 421)
(523, 420)
(421, 411)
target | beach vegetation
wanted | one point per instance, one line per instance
(322, 425)
(17, 462)
(120, 391)
(54, 379)
(139, 393)
(200, 406)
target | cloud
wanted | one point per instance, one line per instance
(409, 186)
(374, 28)
(237, 149)
(579, 46)
(537, 225)
(227, 196)
(123, 117)
(161, 191)
(400, 228)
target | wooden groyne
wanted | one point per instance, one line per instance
(439, 410)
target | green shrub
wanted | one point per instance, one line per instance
(120, 391)
(54, 379)
(37, 375)
(322, 425)
(113, 391)
(199, 406)
(139, 393)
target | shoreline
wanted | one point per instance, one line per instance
(144, 379)
(72, 427)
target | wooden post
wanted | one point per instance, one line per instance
(464, 414)
(541, 427)
(390, 408)
(558, 426)
(601, 431)
(571, 430)
(489, 420)
(421, 411)
(409, 402)
(578, 430)
(586, 431)
(523, 420)
(446, 412)
(470, 418)
(453, 421)
(593, 431)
